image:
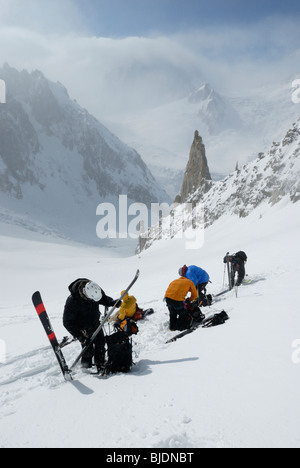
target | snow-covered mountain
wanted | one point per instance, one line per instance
(214, 110)
(58, 163)
(267, 180)
(234, 128)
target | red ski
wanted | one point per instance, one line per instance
(44, 318)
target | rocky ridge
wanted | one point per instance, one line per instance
(268, 179)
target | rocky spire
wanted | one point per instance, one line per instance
(197, 172)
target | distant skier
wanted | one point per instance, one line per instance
(176, 296)
(237, 262)
(82, 316)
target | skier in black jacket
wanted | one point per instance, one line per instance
(237, 262)
(82, 316)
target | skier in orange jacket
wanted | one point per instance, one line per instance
(175, 296)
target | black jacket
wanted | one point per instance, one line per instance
(82, 314)
(239, 257)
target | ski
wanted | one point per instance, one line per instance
(246, 282)
(221, 293)
(189, 330)
(214, 320)
(184, 333)
(44, 318)
(252, 281)
(104, 321)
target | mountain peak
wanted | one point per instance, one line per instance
(214, 110)
(201, 94)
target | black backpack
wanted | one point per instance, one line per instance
(119, 350)
(217, 319)
(241, 255)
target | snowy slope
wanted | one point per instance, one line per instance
(231, 386)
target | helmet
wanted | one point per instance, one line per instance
(92, 291)
(182, 271)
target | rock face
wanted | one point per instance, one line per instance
(197, 172)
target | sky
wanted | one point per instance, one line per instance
(113, 54)
(122, 18)
(142, 17)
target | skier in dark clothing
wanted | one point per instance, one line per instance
(237, 262)
(82, 316)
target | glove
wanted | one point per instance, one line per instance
(117, 324)
(118, 304)
(129, 327)
(84, 337)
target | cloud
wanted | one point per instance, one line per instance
(106, 73)
(43, 16)
(109, 75)
(238, 56)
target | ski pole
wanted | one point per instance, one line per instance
(229, 272)
(224, 276)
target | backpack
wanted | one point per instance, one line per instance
(119, 350)
(217, 319)
(241, 255)
(194, 313)
(232, 258)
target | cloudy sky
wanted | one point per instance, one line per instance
(114, 53)
(122, 18)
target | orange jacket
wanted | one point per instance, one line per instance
(179, 289)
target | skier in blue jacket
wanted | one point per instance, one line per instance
(199, 277)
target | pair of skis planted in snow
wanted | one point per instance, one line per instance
(44, 318)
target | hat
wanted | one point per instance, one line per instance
(92, 291)
(182, 271)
